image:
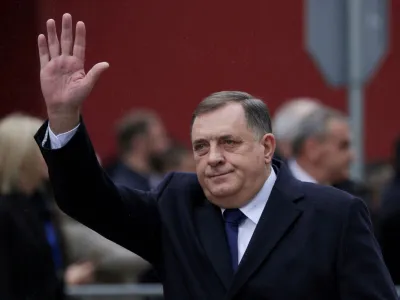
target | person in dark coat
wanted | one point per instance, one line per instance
(31, 257)
(33, 263)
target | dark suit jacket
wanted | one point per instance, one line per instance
(123, 175)
(389, 227)
(312, 242)
(26, 265)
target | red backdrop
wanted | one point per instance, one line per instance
(167, 55)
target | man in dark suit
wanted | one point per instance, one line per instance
(243, 228)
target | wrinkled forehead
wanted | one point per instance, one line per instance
(228, 120)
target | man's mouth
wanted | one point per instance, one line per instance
(219, 174)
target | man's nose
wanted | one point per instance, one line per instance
(215, 156)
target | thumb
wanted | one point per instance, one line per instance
(94, 73)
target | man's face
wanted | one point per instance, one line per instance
(231, 164)
(337, 153)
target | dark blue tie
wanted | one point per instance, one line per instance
(233, 218)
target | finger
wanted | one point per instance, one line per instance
(94, 74)
(52, 39)
(80, 41)
(66, 35)
(43, 51)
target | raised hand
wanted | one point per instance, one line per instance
(63, 80)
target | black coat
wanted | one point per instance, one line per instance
(27, 270)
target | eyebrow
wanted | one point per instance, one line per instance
(198, 141)
(228, 136)
(222, 137)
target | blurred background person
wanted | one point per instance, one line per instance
(141, 139)
(322, 153)
(33, 264)
(303, 126)
(321, 148)
(286, 121)
(177, 158)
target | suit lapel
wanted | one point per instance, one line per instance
(279, 215)
(210, 227)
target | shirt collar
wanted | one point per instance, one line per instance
(299, 173)
(253, 210)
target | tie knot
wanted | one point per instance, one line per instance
(234, 216)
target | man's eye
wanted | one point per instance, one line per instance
(198, 147)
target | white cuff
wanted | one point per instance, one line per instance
(60, 140)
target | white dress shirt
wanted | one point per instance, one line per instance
(299, 173)
(252, 210)
(60, 140)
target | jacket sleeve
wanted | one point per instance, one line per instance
(362, 273)
(83, 190)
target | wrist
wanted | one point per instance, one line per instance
(61, 122)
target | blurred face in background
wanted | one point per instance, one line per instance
(178, 162)
(336, 153)
(157, 138)
(156, 143)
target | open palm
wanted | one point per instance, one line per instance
(63, 79)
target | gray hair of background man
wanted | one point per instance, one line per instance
(316, 125)
(288, 117)
(256, 111)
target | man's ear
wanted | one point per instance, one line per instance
(269, 143)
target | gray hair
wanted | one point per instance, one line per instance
(288, 117)
(316, 125)
(256, 111)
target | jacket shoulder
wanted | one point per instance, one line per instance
(328, 199)
(179, 185)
